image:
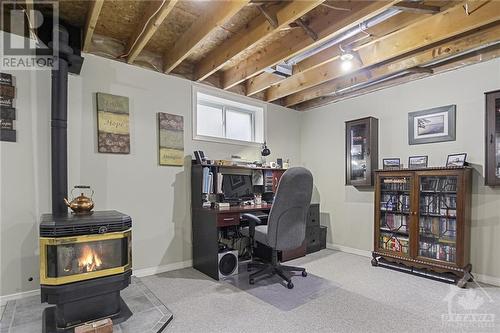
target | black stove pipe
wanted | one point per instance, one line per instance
(59, 116)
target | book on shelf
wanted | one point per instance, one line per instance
(438, 227)
(437, 251)
(394, 243)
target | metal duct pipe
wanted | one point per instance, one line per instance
(421, 69)
(347, 34)
(59, 115)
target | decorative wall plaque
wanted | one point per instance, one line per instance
(171, 139)
(113, 124)
(8, 113)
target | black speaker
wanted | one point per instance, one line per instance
(227, 263)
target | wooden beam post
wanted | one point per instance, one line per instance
(95, 7)
(257, 30)
(214, 17)
(424, 32)
(147, 28)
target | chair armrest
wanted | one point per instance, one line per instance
(252, 222)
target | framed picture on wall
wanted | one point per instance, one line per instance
(433, 125)
(417, 162)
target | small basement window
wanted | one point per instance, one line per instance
(229, 120)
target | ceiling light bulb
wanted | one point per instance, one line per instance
(346, 57)
(346, 65)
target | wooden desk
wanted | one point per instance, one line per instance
(231, 215)
(208, 222)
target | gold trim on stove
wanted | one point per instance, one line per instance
(46, 241)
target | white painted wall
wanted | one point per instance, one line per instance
(349, 211)
(157, 197)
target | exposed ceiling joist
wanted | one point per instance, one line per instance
(262, 80)
(298, 41)
(215, 16)
(95, 7)
(429, 30)
(481, 38)
(257, 30)
(154, 16)
(466, 60)
(415, 7)
(259, 83)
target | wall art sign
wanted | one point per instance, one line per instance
(433, 125)
(113, 124)
(171, 139)
(8, 113)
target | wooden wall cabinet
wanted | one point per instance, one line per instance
(422, 220)
(492, 130)
(361, 151)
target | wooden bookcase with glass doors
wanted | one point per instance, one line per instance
(422, 220)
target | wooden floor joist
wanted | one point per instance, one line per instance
(466, 60)
(95, 7)
(432, 29)
(298, 41)
(483, 37)
(217, 14)
(263, 81)
(258, 29)
(146, 29)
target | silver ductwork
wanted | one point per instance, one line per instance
(335, 40)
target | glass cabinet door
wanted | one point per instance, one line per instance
(361, 151)
(437, 222)
(493, 138)
(395, 214)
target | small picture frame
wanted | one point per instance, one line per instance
(456, 160)
(391, 163)
(417, 162)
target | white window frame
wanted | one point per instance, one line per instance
(230, 98)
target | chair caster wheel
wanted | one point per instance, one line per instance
(304, 273)
(289, 285)
(251, 281)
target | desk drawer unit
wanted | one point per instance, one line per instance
(224, 220)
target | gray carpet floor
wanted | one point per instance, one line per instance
(365, 299)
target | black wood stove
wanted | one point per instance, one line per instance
(84, 263)
(85, 260)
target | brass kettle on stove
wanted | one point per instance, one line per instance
(81, 204)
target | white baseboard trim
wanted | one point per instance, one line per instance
(162, 269)
(11, 297)
(348, 249)
(495, 281)
(137, 272)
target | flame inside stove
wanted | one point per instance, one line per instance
(89, 260)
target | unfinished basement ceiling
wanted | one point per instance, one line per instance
(235, 45)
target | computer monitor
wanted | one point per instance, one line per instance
(237, 186)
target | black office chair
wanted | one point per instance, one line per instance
(286, 227)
